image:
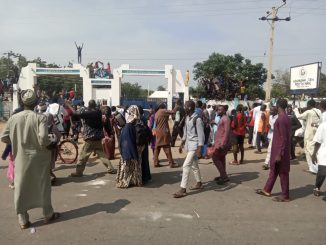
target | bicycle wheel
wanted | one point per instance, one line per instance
(68, 151)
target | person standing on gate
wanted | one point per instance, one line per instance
(178, 123)
(93, 135)
(193, 139)
(27, 132)
(280, 155)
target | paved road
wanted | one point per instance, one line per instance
(94, 211)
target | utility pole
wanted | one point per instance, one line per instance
(273, 18)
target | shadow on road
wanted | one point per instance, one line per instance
(62, 166)
(164, 178)
(299, 192)
(235, 180)
(111, 208)
(65, 180)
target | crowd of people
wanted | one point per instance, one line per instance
(206, 131)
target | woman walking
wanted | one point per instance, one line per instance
(130, 172)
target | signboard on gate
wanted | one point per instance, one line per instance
(305, 77)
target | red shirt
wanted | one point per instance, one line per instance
(72, 94)
(68, 114)
(241, 124)
(222, 135)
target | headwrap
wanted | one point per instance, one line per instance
(28, 97)
(133, 114)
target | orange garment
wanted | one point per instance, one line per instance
(263, 121)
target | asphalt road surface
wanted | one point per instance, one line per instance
(94, 211)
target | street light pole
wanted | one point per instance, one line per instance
(273, 18)
(270, 57)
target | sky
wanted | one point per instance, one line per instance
(147, 34)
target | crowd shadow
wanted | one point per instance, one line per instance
(299, 192)
(85, 178)
(235, 180)
(62, 166)
(164, 178)
(111, 208)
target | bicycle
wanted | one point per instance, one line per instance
(67, 151)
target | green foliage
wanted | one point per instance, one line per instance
(197, 92)
(161, 88)
(281, 85)
(236, 67)
(133, 90)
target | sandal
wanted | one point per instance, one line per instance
(280, 199)
(174, 165)
(112, 171)
(179, 194)
(222, 181)
(217, 178)
(54, 217)
(157, 165)
(234, 162)
(263, 193)
(265, 167)
(197, 187)
(25, 226)
(316, 192)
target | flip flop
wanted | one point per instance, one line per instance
(54, 217)
(25, 226)
(316, 192)
(222, 181)
(174, 165)
(234, 163)
(280, 199)
(196, 187)
(179, 194)
(263, 193)
(112, 171)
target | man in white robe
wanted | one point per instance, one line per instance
(27, 132)
(312, 118)
(256, 115)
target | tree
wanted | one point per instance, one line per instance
(281, 84)
(220, 76)
(133, 90)
(161, 88)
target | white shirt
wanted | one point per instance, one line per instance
(272, 120)
(320, 137)
(323, 117)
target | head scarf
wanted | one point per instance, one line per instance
(28, 97)
(133, 114)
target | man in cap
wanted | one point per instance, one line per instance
(27, 132)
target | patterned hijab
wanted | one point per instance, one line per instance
(133, 114)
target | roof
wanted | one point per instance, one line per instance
(161, 94)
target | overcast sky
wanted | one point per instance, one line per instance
(152, 33)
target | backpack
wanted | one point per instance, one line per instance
(121, 121)
(143, 135)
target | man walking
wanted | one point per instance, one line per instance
(312, 117)
(280, 155)
(193, 139)
(178, 123)
(27, 132)
(221, 145)
(93, 134)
